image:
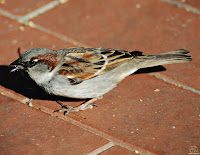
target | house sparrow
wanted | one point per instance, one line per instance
(87, 73)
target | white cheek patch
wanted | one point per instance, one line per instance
(45, 77)
(35, 60)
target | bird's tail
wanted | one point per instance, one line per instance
(178, 56)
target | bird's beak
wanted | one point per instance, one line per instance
(17, 64)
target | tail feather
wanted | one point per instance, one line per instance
(180, 51)
(178, 56)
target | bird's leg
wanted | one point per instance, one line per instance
(87, 105)
(61, 104)
(29, 102)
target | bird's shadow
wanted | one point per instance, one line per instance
(20, 82)
(149, 69)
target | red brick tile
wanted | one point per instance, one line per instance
(25, 130)
(21, 7)
(12, 39)
(150, 26)
(165, 121)
(117, 150)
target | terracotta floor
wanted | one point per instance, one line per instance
(155, 111)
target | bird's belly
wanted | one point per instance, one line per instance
(91, 88)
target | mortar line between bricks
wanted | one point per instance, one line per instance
(60, 36)
(11, 94)
(102, 148)
(168, 80)
(114, 140)
(24, 19)
(183, 6)
(42, 29)
(9, 15)
(42, 10)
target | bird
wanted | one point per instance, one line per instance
(87, 73)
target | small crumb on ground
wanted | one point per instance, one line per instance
(138, 6)
(21, 28)
(156, 90)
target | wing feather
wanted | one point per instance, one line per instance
(85, 63)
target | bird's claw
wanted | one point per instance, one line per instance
(68, 109)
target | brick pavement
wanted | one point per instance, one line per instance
(131, 119)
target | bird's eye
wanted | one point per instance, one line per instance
(32, 62)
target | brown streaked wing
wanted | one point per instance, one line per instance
(92, 62)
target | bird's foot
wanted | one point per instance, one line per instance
(84, 106)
